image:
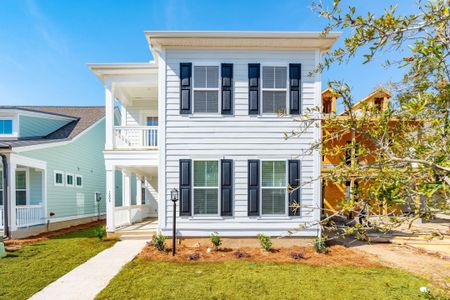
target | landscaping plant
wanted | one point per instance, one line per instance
(216, 240)
(265, 241)
(100, 232)
(159, 241)
(320, 245)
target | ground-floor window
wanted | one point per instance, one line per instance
(21, 187)
(206, 187)
(1, 187)
(273, 187)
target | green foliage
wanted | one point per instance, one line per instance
(265, 242)
(320, 245)
(34, 266)
(400, 155)
(216, 240)
(159, 241)
(100, 232)
(141, 278)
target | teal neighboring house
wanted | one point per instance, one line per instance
(52, 167)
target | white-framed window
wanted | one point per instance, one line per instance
(206, 89)
(1, 187)
(206, 187)
(274, 89)
(21, 187)
(79, 181)
(6, 126)
(58, 178)
(274, 187)
(69, 179)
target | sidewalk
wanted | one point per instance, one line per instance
(88, 279)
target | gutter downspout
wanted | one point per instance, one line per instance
(5, 196)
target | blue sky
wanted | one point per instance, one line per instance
(46, 44)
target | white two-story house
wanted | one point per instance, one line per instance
(204, 118)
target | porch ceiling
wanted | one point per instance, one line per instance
(143, 171)
(128, 93)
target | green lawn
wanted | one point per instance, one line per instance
(242, 280)
(25, 272)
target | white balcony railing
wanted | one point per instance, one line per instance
(142, 137)
(28, 215)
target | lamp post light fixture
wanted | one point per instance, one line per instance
(174, 198)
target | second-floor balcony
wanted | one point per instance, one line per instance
(135, 137)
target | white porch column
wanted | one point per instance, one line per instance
(139, 190)
(109, 118)
(126, 187)
(12, 196)
(110, 198)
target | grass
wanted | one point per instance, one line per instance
(144, 279)
(28, 270)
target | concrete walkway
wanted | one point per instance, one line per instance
(88, 279)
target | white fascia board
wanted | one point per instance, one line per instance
(47, 115)
(106, 70)
(55, 144)
(240, 39)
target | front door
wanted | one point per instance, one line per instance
(153, 133)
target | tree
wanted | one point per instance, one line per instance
(399, 156)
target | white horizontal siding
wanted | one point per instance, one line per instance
(239, 137)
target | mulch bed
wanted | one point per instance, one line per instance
(336, 256)
(17, 243)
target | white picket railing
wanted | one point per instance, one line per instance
(137, 137)
(127, 215)
(29, 215)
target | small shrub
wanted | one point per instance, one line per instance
(241, 254)
(159, 241)
(216, 240)
(265, 242)
(193, 256)
(297, 255)
(100, 232)
(320, 245)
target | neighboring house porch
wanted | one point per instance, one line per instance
(27, 192)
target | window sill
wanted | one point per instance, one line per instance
(204, 116)
(277, 217)
(206, 218)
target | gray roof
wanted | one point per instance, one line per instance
(84, 117)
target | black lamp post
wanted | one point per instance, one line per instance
(174, 198)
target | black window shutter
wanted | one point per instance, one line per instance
(294, 183)
(295, 71)
(226, 185)
(253, 88)
(185, 187)
(227, 89)
(253, 187)
(185, 87)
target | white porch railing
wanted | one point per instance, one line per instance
(26, 215)
(138, 137)
(127, 215)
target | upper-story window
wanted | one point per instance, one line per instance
(274, 89)
(378, 102)
(327, 106)
(6, 126)
(206, 89)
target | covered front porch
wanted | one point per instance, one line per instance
(132, 196)
(23, 194)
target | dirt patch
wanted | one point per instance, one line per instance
(336, 256)
(431, 267)
(17, 243)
